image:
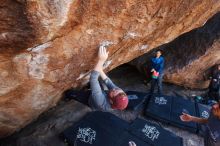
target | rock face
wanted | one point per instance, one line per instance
(48, 132)
(191, 57)
(48, 46)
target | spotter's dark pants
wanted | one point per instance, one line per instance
(157, 82)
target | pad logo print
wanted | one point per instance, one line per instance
(205, 114)
(160, 100)
(151, 132)
(86, 135)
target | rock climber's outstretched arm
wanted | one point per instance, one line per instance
(102, 57)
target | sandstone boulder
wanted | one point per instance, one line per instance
(190, 58)
(49, 46)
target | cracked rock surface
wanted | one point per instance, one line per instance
(49, 46)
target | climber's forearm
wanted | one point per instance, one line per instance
(199, 120)
(99, 68)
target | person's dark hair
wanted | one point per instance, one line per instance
(215, 69)
(159, 50)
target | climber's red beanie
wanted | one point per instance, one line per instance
(120, 101)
